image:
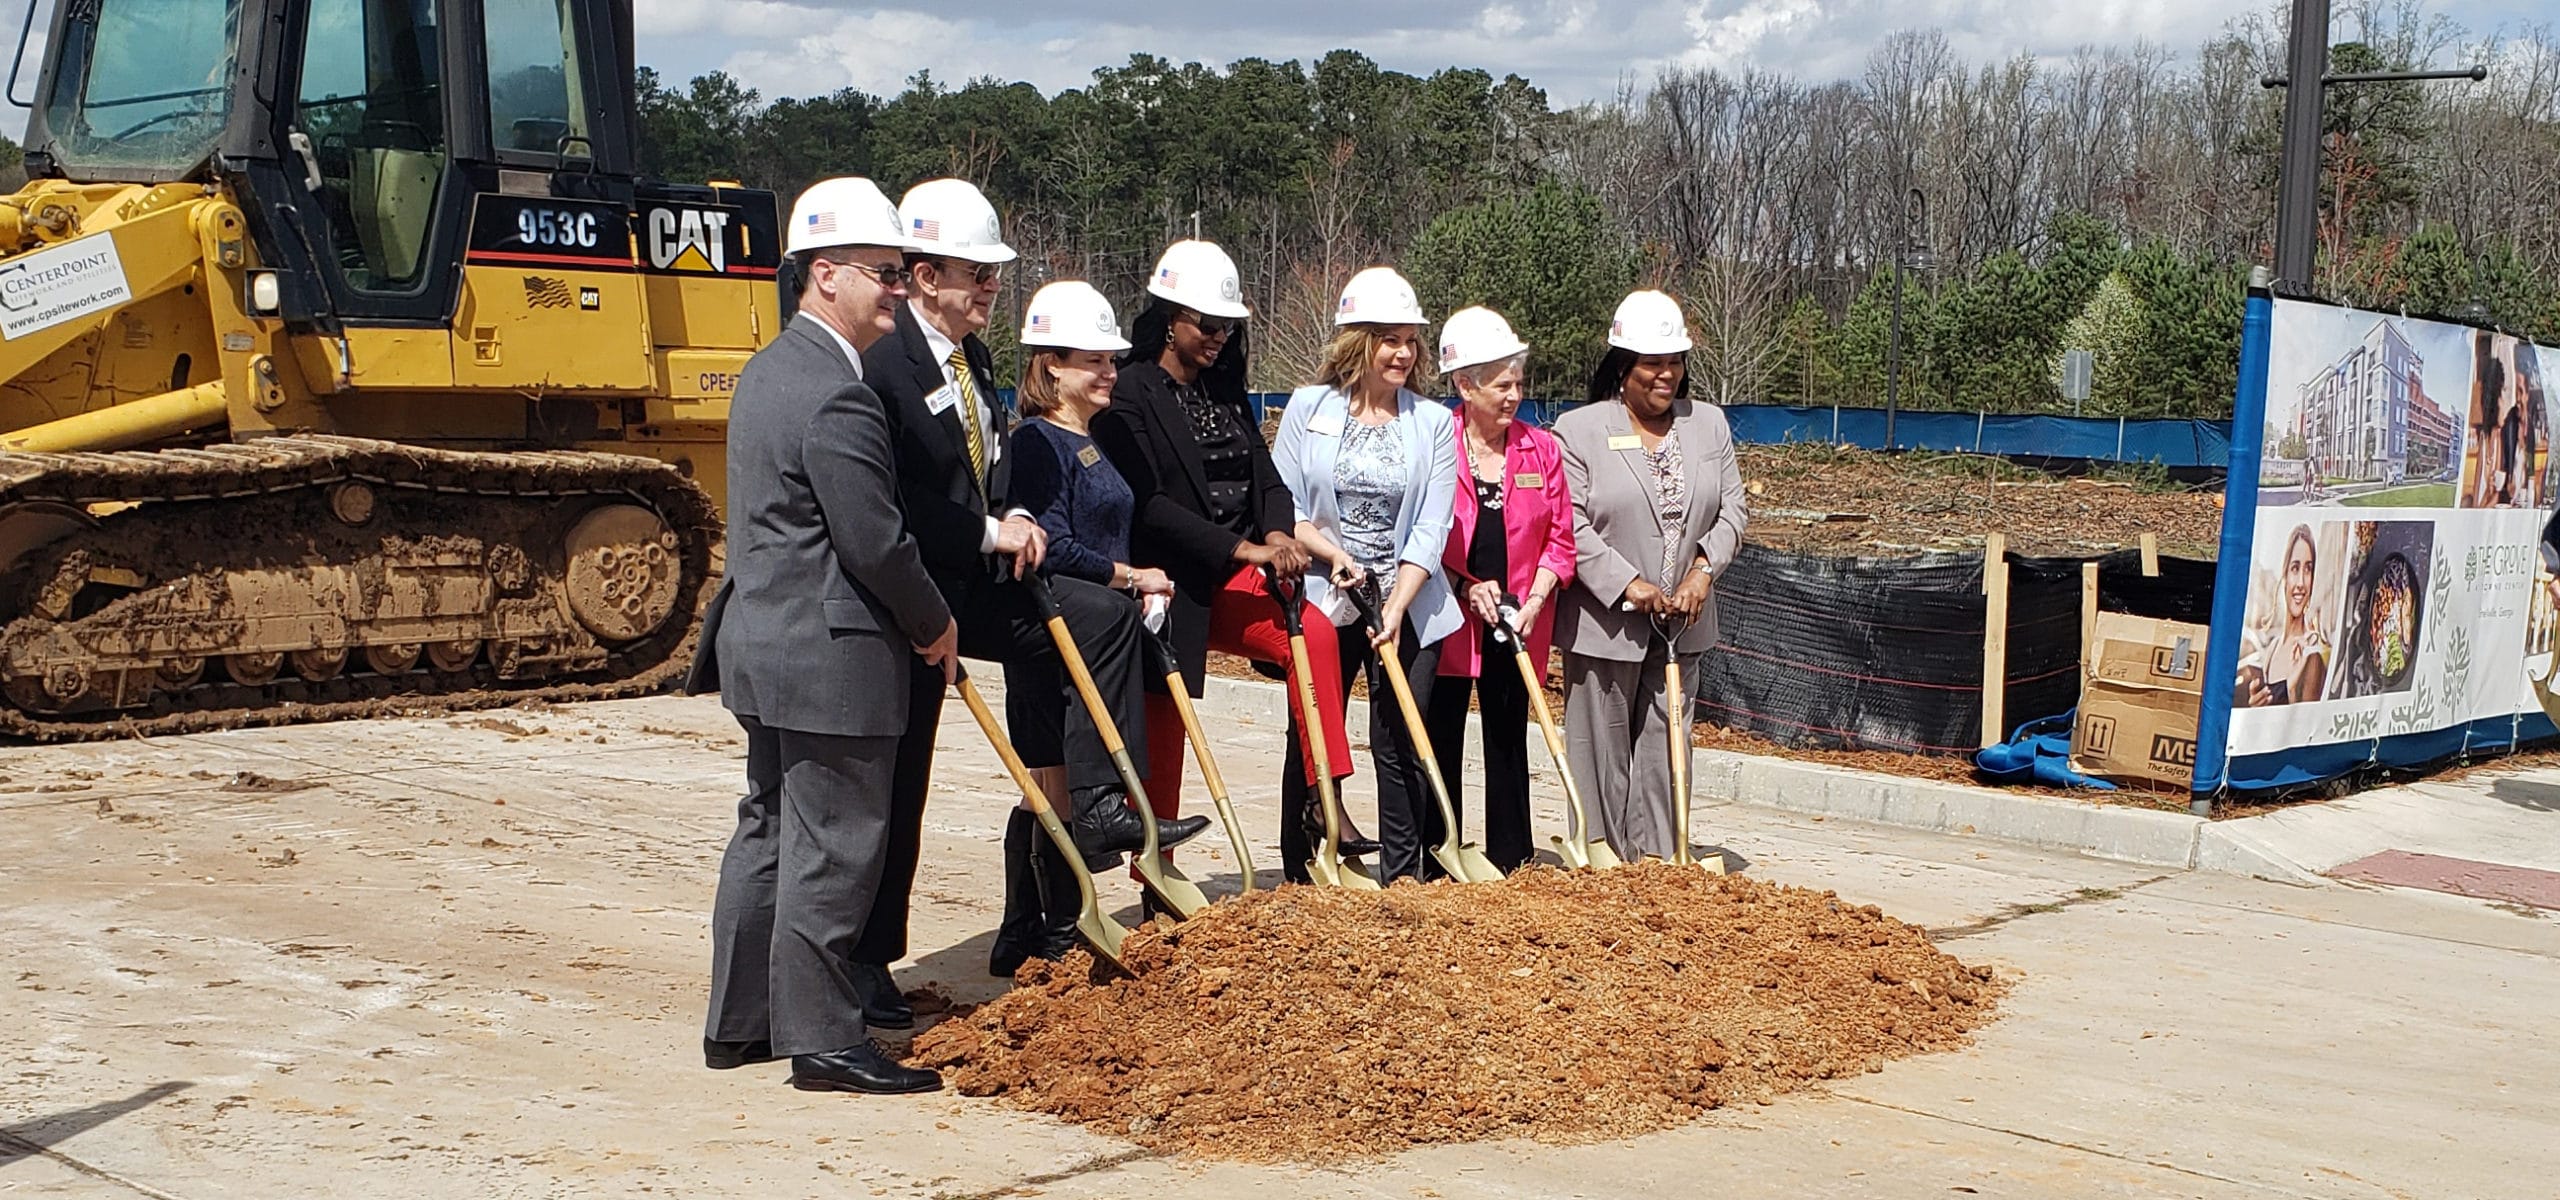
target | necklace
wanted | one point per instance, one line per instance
(1478, 452)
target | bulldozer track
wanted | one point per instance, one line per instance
(160, 486)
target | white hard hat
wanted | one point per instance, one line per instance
(1199, 276)
(1071, 315)
(949, 217)
(1649, 323)
(1477, 335)
(1378, 296)
(847, 210)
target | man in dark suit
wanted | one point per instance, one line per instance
(938, 380)
(825, 593)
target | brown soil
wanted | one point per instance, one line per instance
(1310, 1023)
(1821, 499)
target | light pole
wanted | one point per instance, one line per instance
(1915, 219)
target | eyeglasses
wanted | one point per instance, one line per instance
(1212, 327)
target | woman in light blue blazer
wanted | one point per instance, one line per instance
(1373, 467)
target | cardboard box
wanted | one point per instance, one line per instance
(2141, 683)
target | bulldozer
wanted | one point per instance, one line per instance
(348, 364)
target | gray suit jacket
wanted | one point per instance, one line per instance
(1617, 534)
(825, 596)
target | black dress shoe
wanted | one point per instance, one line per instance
(883, 1005)
(1354, 844)
(859, 1069)
(729, 1056)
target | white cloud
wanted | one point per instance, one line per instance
(1576, 49)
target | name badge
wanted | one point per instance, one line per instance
(1529, 479)
(1089, 456)
(1325, 424)
(1626, 441)
(942, 400)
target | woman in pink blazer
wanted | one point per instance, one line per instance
(1513, 536)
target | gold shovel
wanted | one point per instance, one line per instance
(1328, 867)
(1158, 876)
(1101, 932)
(1675, 702)
(1570, 845)
(1174, 687)
(1465, 862)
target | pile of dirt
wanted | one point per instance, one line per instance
(1311, 1023)
(1823, 499)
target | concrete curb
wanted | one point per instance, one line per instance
(2133, 835)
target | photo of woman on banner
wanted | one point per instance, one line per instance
(2509, 454)
(2286, 660)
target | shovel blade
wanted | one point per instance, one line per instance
(1343, 873)
(1602, 857)
(1100, 932)
(1480, 869)
(1570, 851)
(1356, 877)
(1170, 888)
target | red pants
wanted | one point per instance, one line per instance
(1244, 620)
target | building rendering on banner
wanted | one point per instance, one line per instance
(2368, 418)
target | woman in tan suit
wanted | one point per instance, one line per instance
(1658, 513)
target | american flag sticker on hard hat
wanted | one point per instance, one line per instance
(1169, 277)
(928, 230)
(822, 221)
(1447, 353)
(1350, 304)
(1039, 322)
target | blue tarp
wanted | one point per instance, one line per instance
(2170, 443)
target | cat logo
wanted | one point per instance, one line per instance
(689, 239)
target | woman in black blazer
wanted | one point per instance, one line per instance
(1212, 513)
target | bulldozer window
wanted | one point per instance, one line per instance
(142, 84)
(536, 94)
(372, 104)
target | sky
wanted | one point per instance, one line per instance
(1577, 49)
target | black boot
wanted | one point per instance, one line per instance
(1105, 827)
(1020, 934)
(1061, 902)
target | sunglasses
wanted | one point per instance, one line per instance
(980, 274)
(1212, 327)
(889, 277)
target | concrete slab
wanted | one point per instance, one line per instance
(465, 966)
(2506, 818)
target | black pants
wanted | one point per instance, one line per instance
(999, 623)
(1504, 702)
(1408, 815)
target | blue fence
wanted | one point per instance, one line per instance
(2170, 443)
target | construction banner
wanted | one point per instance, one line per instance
(2379, 599)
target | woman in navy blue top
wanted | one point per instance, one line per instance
(1069, 340)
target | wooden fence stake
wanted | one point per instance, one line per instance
(2150, 555)
(2088, 618)
(1995, 636)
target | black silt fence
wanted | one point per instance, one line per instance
(1886, 653)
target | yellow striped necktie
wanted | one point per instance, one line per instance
(960, 377)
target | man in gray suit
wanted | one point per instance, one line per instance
(825, 595)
